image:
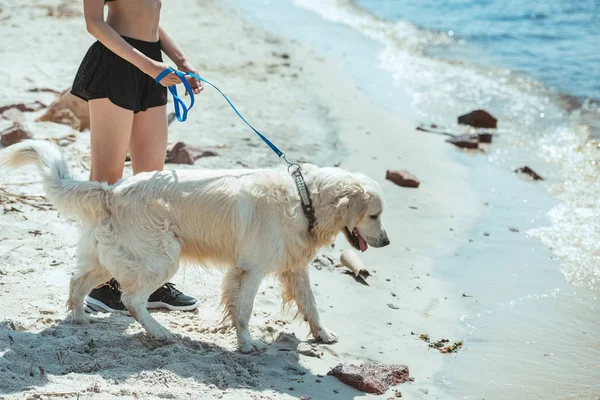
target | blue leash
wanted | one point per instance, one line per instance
(181, 110)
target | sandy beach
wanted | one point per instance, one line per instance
(313, 106)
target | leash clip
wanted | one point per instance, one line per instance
(288, 162)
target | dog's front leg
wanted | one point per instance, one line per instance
(239, 290)
(296, 287)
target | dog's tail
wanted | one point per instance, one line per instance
(83, 199)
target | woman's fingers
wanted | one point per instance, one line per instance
(172, 79)
(195, 84)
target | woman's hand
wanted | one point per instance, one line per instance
(156, 68)
(196, 85)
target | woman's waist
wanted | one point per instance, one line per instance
(142, 29)
(151, 49)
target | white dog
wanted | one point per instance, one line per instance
(249, 222)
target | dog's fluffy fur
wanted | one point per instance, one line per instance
(249, 222)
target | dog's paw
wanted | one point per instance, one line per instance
(252, 346)
(326, 336)
(162, 335)
(79, 319)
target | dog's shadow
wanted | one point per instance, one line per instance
(134, 362)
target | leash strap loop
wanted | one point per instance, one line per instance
(181, 110)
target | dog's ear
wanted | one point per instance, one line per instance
(353, 205)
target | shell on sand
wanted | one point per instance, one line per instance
(351, 260)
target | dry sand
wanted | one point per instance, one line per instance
(310, 107)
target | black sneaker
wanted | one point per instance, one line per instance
(106, 298)
(169, 297)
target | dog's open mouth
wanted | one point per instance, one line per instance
(354, 238)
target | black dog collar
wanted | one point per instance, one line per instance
(307, 206)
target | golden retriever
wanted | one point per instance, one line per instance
(249, 222)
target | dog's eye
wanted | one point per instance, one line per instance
(374, 216)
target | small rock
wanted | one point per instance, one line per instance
(66, 100)
(466, 141)
(478, 119)
(486, 234)
(528, 171)
(424, 391)
(371, 377)
(513, 229)
(24, 107)
(181, 153)
(398, 394)
(392, 306)
(14, 134)
(402, 178)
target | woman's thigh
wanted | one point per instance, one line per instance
(110, 131)
(148, 143)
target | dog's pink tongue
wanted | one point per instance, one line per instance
(362, 244)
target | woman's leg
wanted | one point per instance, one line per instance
(148, 144)
(110, 130)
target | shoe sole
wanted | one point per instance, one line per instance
(153, 305)
(98, 306)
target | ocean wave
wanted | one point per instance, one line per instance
(404, 35)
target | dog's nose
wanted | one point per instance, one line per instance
(385, 242)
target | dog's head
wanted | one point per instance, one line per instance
(353, 204)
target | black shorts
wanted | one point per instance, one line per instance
(103, 74)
